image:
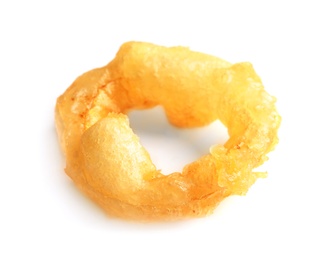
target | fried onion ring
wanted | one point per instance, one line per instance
(106, 160)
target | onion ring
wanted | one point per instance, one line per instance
(106, 160)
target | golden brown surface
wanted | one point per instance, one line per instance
(107, 162)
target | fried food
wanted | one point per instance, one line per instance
(106, 160)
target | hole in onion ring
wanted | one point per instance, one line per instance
(172, 148)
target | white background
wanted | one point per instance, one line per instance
(45, 45)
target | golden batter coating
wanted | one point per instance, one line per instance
(106, 160)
